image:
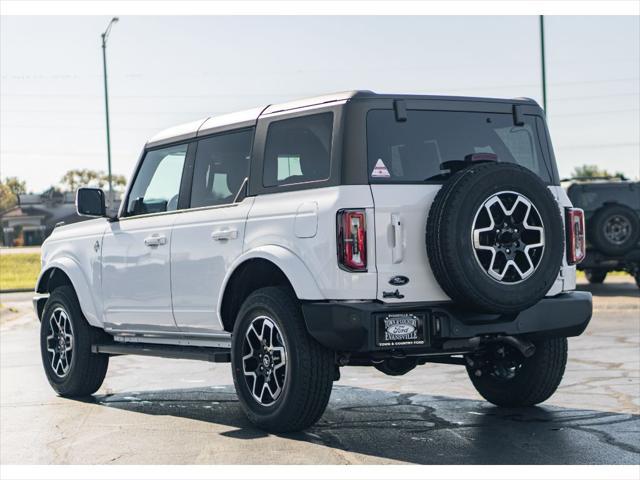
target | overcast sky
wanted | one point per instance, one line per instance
(169, 70)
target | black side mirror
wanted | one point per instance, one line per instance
(90, 202)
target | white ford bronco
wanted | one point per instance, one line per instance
(349, 229)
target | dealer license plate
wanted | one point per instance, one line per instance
(401, 329)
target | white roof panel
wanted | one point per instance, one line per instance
(177, 133)
(240, 119)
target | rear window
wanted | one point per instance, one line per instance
(413, 151)
(298, 150)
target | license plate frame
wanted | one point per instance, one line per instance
(401, 329)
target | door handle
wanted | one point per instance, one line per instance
(397, 253)
(155, 240)
(227, 234)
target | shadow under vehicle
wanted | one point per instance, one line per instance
(612, 215)
(415, 428)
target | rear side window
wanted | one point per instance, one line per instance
(298, 150)
(413, 150)
(222, 164)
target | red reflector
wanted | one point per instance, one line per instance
(352, 240)
(576, 241)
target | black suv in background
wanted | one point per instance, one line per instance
(612, 214)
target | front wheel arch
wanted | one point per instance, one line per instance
(65, 271)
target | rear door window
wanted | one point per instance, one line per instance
(413, 151)
(221, 165)
(298, 150)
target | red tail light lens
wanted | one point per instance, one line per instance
(576, 241)
(352, 240)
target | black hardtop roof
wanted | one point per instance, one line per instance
(368, 94)
(371, 95)
(246, 117)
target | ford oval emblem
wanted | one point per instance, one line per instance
(399, 280)
(401, 330)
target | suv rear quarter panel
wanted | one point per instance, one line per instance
(304, 223)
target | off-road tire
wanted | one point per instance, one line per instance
(595, 276)
(537, 379)
(310, 367)
(87, 370)
(450, 247)
(597, 225)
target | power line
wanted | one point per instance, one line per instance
(290, 95)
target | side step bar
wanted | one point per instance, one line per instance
(207, 354)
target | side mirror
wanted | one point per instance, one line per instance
(90, 202)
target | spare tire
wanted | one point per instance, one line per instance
(614, 229)
(495, 238)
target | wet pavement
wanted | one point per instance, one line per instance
(153, 410)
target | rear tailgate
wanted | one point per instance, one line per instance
(400, 224)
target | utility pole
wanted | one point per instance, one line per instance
(105, 35)
(544, 70)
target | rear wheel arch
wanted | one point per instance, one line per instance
(265, 266)
(249, 276)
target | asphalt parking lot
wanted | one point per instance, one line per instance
(152, 410)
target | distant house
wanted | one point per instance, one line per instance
(35, 216)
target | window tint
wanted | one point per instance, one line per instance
(157, 184)
(412, 151)
(298, 150)
(222, 164)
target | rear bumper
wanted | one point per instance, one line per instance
(351, 326)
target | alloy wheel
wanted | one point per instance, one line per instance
(508, 237)
(264, 361)
(60, 342)
(617, 229)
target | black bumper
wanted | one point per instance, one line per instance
(351, 326)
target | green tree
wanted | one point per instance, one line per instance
(7, 198)
(90, 178)
(16, 185)
(593, 171)
(9, 191)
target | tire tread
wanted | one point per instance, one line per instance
(535, 383)
(314, 387)
(89, 371)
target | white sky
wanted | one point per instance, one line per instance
(169, 70)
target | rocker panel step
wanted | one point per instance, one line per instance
(207, 354)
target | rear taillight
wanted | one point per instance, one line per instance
(576, 242)
(352, 240)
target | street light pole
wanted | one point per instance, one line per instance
(105, 35)
(544, 70)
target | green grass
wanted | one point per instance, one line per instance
(19, 270)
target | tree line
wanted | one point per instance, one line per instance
(11, 187)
